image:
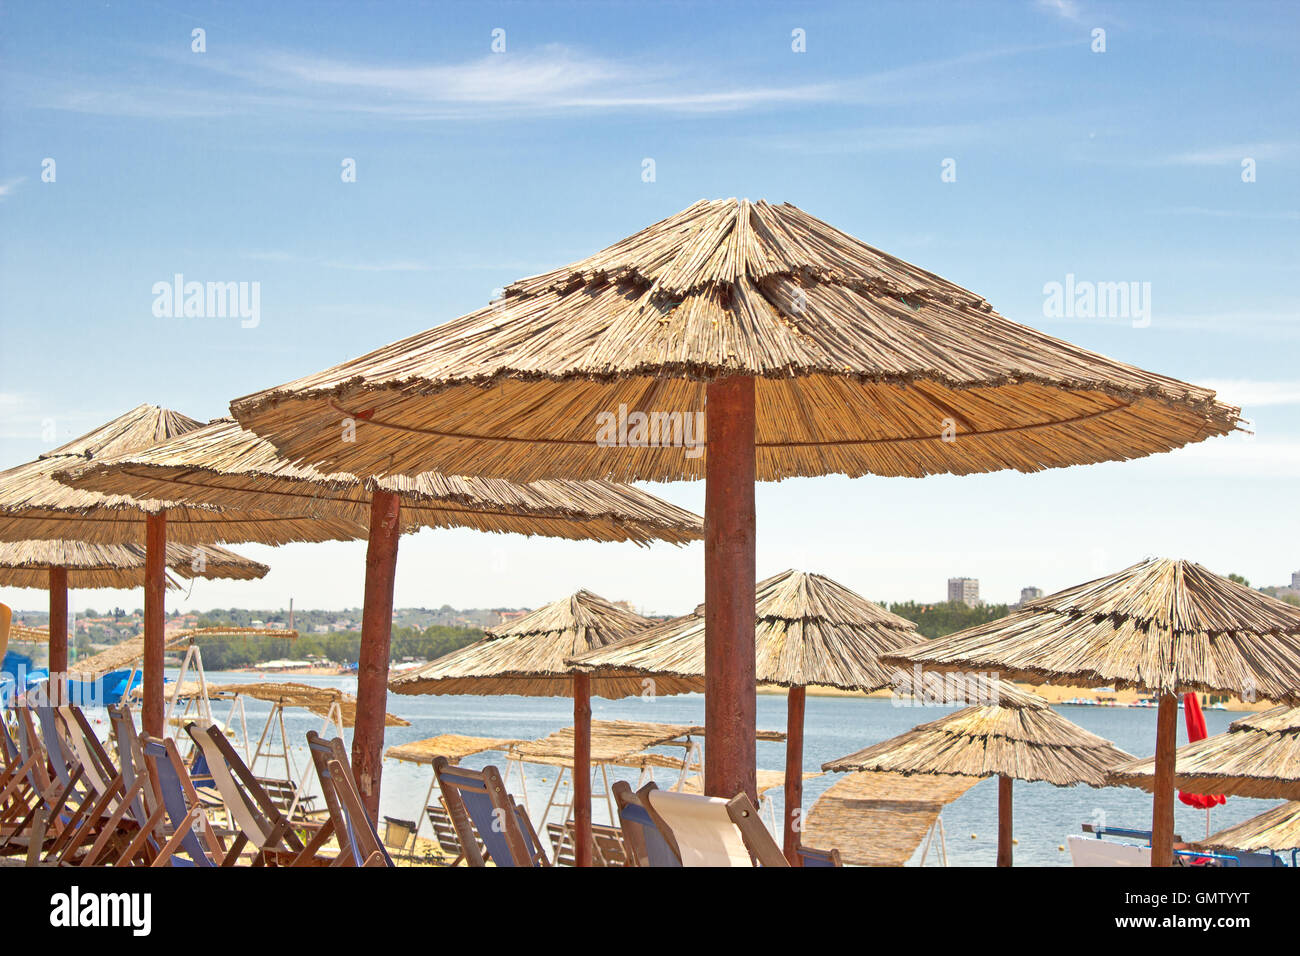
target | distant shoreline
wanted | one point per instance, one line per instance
(1056, 695)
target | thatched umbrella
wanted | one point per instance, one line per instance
(28, 564)
(813, 353)
(810, 632)
(1161, 626)
(33, 505)
(1259, 756)
(527, 657)
(1011, 734)
(224, 465)
(1277, 829)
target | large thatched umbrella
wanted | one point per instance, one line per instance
(28, 564)
(224, 465)
(33, 505)
(1259, 756)
(810, 632)
(1011, 734)
(812, 352)
(527, 657)
(1161, 626)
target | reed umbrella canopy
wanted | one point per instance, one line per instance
(809, 631)
(1013, 734)
(529, 656)
(1164, 626)
(35, 505)
(864, 364)
(27, 564)
(223, 465)
(1258, 756)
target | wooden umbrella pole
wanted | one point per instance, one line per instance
(795, 702)
(1004, 820)
(58, 653)
(376, 637)
(729, 571)
(582, 769)
(155, 619)
(1162, 806)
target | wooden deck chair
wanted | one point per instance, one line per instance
(607, 844)
(648, 840)
(711, 831)
(255, 815)
(192, 842)
(483, 811)
(444, 831)
(58, 788)
(359, 843)
(19, 790)
(816, 858)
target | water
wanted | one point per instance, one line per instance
(834, 726)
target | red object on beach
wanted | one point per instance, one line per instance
(1196, 730)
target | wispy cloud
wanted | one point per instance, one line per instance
(1220, 155)
(1252, 393)
(9, 185)
(1065, 9)
(1276, 214)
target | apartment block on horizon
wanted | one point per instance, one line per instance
(965, 590)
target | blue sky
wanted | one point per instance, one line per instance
(475, 168)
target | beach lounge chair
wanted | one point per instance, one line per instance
(359, 843)
(484, 813)
(815, 858)
(192, 842)
(57, 800)
(647, 839)
(444, 831)
(711, 831)
(607, 844)
(259, 822)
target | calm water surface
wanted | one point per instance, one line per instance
(835, 726)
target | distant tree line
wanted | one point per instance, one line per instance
(939, 620)
(342, 647)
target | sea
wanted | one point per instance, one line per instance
(1044, 815)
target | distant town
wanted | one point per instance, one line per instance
(333, 637)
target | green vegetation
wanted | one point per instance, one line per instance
(939, 620)
(341, 647)
(1239, 579)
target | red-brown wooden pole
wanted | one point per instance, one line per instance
(1004, 821)
(1162, 806)
(582, 769)
(376, 636)
(58, 653)
(155, 620)
(729, 571)
(794, 773)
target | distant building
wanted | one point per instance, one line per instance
(1030, 594)
(965, 590)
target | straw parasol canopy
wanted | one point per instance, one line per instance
(1277, 829)
(810, 631)
(318, 700)
(619, 742)
(1163, 626)
(862, 361)
(528, 656)
(1014, 734)
(131, 651)
(33, 504)
(879, 819)
(734, 342)
(1259, 756)
(27, 564)
(223, 465)
(455, 747)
